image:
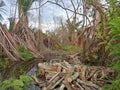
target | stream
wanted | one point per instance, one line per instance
(49, 58)
(33, 72)
(30, 67)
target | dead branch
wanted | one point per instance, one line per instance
(78, 77)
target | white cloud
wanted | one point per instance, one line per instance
(45, 26)
(48, 26)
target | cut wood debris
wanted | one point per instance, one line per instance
(73, 77)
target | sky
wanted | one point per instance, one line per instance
(49, 14)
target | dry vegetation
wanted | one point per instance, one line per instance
(86, 42)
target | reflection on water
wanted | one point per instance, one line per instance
(33, 72)
(18, 68)
(14, 70)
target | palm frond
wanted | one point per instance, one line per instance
(1, 17)
(24, 5)
(2, 3)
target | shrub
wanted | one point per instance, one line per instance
(24, 53)
(114, 43)
(16, 84)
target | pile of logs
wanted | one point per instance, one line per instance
(64, 76)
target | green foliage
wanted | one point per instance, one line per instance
(24, 6)
(90, 57)
(101, 37)
(3, 62)
(70, 47)
(87, 56)
(1, 53)
(22, 68)
(16, 84)
(114, 25)
(115, 84)
(88, 2)
(12, 22)
(25, 78)
(21, 48)
(95, 56)
(114, 43)
(24, 53)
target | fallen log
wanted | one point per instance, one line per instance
(74, 77)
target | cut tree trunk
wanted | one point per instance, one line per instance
(74, 77)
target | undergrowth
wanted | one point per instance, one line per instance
(114, 43)
(67, 48)
(24, 53)
(22, 83)
(3, 62)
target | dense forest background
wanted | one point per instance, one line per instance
(89, 35)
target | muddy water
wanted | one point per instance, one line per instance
(14, 70)
(30, 67)
(49, 58)
(33, 72)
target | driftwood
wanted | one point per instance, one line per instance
(73, 77)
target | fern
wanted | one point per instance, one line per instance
(16, 84)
